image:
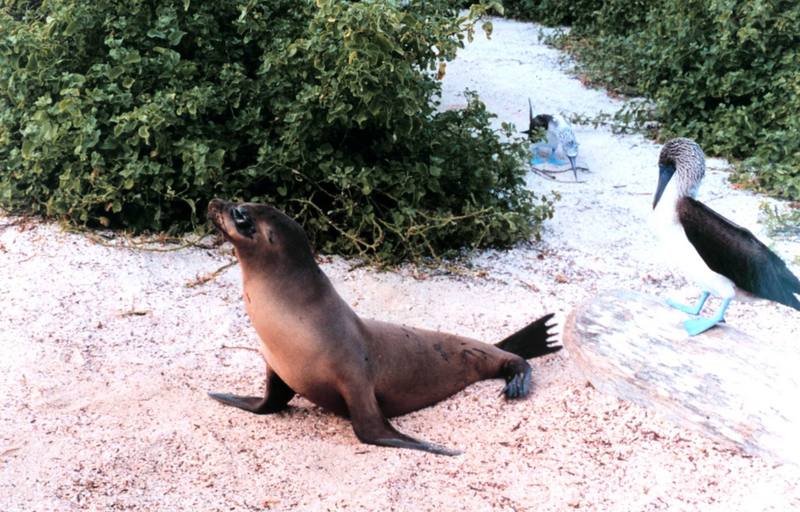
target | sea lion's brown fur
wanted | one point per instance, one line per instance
(315, 345)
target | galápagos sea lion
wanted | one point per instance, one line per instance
(315, 345)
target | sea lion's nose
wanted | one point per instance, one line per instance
(215, 205)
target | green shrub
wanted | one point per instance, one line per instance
(134, 114)
(552, 12)
(724, 72)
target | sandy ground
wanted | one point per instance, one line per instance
(107, 354)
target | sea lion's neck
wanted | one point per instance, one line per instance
(293, 284)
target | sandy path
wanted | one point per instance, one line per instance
(106, 355)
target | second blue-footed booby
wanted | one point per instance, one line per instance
(711, 250)
(559, 133)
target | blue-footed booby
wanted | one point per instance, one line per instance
(559, 132)
(711, 250)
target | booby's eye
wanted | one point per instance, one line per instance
(244, 224)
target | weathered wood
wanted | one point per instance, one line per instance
(727, 384)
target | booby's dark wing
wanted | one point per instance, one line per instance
(736, 253)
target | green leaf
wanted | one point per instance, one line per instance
(27, 149)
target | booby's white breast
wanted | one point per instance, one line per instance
(678, 250)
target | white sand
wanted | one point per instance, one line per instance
(106, 357)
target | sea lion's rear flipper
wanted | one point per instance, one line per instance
(372, 427)
(533, 340)
(275, 399)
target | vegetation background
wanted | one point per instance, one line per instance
(723, 72)
(133, 114)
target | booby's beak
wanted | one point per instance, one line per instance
(665, 172)
(574, 168)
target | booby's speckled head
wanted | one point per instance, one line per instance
(262, 235)
(682, 162)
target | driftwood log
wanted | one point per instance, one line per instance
(725, 383)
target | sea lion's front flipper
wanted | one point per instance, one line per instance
(372, 427)
(275, 399)
(517, 373)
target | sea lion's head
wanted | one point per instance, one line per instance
(261, 234)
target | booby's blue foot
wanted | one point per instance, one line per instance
(681, 307)
(696, 326)
(535, 151)
(692, 310)
(553, 160)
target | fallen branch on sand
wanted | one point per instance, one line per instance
(201, 280)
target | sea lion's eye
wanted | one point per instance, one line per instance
(243, 222)
(239, 217)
